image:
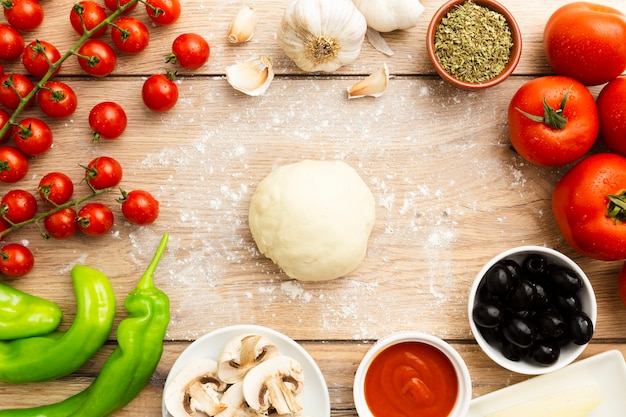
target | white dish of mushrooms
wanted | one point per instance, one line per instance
(245, 371)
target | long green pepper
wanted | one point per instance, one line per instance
(25, 315)
(129, 368)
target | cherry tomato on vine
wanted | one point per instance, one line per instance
(18, 205)
(87, 15)
(11, 43)
(10, 86)
(38, 56)
(159, 92)
(103, 172)
(56, 187)
(62, 224)
(190, 50)
(113, 5)
(23, 14)
(16, 260)
(130, 35)
(32, 136)
(139, 207)
(97, 58)
(13, 164)
(95, 219)
(4, 118)
(108, 120)
(57, 99)
(163, 12)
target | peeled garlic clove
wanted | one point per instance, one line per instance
(251, 77)
(390, 15)
(242, 28)
(374, 85)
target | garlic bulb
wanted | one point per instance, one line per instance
(252, 77)
(322, 35)
(390, 15)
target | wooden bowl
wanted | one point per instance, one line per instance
(516, 50)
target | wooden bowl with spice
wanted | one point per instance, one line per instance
(474, 44)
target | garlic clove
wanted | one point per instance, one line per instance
(252, 77)
(374, 85)
(242, 28)
(378, 42)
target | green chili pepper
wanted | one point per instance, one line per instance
(51, 356)
(24, 315)
(127, 371)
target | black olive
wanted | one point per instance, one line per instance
(536, 265)
(567, 305)
(498, 280)
(545, 351)
(492, 335)
(522, 297)
(580, 328)
(514, 269)
(487, 315)
(484, 296)
(551, 324)
(541, 300)
(512, 352)
(564, 281)
(520, 332)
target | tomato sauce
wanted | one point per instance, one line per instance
(411, 379)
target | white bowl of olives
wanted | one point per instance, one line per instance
(532, 310)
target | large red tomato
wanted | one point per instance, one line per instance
(553, 120)
(612, 112)
(589, 203)
(586, 41)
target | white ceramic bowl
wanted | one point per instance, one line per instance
(568, 353)
(464, 395)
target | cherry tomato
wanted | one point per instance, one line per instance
(611, 104)
(163, 12)
(18, 206)
(97, 58)
(113, 5)
(585, 41)
(95, 219)
(558, 133)
(103, 172)
(190, 50)
(37, 57)
(57, 99)
(583, 204)
(108, 120)
(16, 260)
(4, 118)
(10, 86)
(130, 35)
(32, 136)
(159, 92)
(62, 224)
(11, 43)
(23, 14)
(87, 15)
(13, 164)
(139, 207)
(621, 284)
(56, 188)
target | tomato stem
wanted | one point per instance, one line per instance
(552, 117)
(616, 209)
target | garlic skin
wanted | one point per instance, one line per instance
(244, 23)
(374, 85)
(322, 35)
(390, 15)
(252, 77)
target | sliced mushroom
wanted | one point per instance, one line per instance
(241, 354)
(276, 384)
(235, 404)
(195, 389)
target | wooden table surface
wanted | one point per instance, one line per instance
(450, 194)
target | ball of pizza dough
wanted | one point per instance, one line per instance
(313, 219)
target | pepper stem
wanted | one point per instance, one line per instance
(146, 281)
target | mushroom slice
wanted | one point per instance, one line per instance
(275, 383)
(241, 354)
(195, 389)
(235, 404)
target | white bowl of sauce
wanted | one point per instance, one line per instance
(412, 374)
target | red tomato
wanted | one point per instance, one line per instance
(190, 50)
(23, 14)
(95, 219)
(159, 92)
(556, 134)
(621, 284)
(13, 164)
(587, 42)
(113, 5)
(11, 43)
(97, 58)
(4, 118)
(18, 206)
(130, 35)
(56, 188)
(611, 104)
(62, 224)
(37, 57)
(16, 260)
(57, 99)
(103, 172)
(10, 86)
(139, 207)
(86, 15)
(32, 136)
(581, 203)
(108, 120)
(163, 12)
